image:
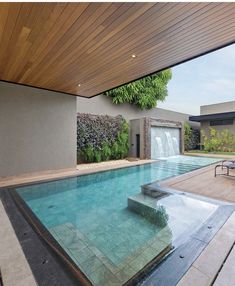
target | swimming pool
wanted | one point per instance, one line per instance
(108, 227)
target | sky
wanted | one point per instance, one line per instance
(206, 80)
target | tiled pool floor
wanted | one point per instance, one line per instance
(100, 268)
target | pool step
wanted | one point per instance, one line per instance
(147, 207)
(156, 192)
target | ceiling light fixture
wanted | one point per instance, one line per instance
(79, 84)
(133, 56)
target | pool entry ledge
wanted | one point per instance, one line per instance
(145, 204)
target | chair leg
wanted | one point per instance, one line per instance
(222, 167)
(215, 170)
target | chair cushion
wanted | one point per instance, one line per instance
(230, 166)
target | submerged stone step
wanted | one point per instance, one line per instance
(154, 192)
(147, 207)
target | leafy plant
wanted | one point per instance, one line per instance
(97, 156)
(191, 137)
(106, 151)
(227, 141)
(145, 92)
(218, 140)
(187, 136)
(101, 138)
(86, 154)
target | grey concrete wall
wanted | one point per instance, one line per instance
(135, 129)
(205, 125)
(103, 105)
(37, 130)
(218, 108)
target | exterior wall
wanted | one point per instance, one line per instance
(217, 108)
(142, 127)
(103, 105)
(135, 129)
(213, 109)
(205, 125)
(37, 130)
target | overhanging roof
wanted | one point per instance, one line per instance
(86, 48)
(215, 116)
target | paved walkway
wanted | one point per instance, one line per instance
(14, 267)
(211, 155)
(80, 170)
(216, 264)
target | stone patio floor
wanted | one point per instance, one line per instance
(14, 267)
(80, 170)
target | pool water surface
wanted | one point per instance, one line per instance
(110, 240)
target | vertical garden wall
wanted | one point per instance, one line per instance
(101, 138)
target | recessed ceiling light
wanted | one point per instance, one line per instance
(133, 56)
(79, 84)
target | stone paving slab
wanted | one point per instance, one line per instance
(227, 273)
(194, 277)
(14, 267)
(206, 267)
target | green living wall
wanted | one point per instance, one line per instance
(101, 138)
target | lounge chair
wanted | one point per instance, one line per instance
(228, 165)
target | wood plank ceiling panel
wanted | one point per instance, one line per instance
(86, 48)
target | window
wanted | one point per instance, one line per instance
(221, 122)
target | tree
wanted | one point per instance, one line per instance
(145, 92)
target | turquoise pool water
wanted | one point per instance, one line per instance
(89, 217)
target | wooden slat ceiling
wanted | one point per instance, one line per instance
(86, 48)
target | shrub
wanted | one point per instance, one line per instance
(187, 136)
(114, 150)
(191, 137)
(227, 141)
(86, 154)
(107, 152)
(101, 138)
(97, 156)
(218, 140)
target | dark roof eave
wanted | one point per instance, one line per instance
(215, 116)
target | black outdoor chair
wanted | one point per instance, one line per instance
(228, 165)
